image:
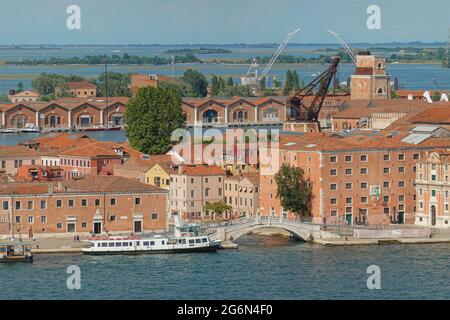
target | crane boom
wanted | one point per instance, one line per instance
(318, 88)
(347, 49)
(277, 53)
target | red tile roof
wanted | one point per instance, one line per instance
(202, 170)
(80, 85)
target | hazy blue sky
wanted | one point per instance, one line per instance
(224, 21)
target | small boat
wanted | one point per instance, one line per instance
(187, 238)
(15, 252)
(30, 130)
(8, 131)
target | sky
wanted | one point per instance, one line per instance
(220, 22)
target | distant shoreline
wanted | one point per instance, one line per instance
(48, 45)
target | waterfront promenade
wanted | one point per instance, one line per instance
(67, 244)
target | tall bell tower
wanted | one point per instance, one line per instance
(370, 81)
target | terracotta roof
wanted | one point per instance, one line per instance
(435, 115)
(414, 93)
(254, 178)
(80, 85)
(202, 170)
(23, 188)
(18, 151)
(63, 140)
(140, 163)
(26, 93)
(356, 109)
(106, 184)
(356, 141)
(92, 150)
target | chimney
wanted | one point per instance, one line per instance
(181, 169)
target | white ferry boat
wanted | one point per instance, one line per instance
(187, 238)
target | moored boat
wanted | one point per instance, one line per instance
(15, 252)
(187, 238)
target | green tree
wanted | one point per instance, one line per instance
(182, 88)
(214, 85)
(276, 83)
(296, 81)
(197, 81)
(436, 96)
(289, 83)
(394, 94)
(294, 190)
(118, 84)
(262, 84)
(20, 87)
(230, 82)
(150, 118)
(221, 84)
(46, 83)
(218, 208)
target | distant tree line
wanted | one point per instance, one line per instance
(125, 59)
(198, 51)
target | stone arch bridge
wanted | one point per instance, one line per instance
(232, 230)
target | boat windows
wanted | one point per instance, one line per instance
(152, 243)
(125, 244)
(145, 243)
(191, 241)
(204, 240)
(162, 242)
(111, 244)
(118, 244)
(104, 244)
(138, 243)
(198, 240)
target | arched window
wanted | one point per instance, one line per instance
(210, 116)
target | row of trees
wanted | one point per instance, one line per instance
(192, 84)
(125, 59)
(227, 88)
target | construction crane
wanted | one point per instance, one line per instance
(252, 77)
(278, 52)
(299, 111)
(346, 47)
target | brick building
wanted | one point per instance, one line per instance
(433, 189)
(13, 157)
(192, 187)
(242, 194)
(90, 205)
(81, 89)
(358, 178)
(370, 80)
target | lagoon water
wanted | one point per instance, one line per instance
(411, 76)
(262, 268)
